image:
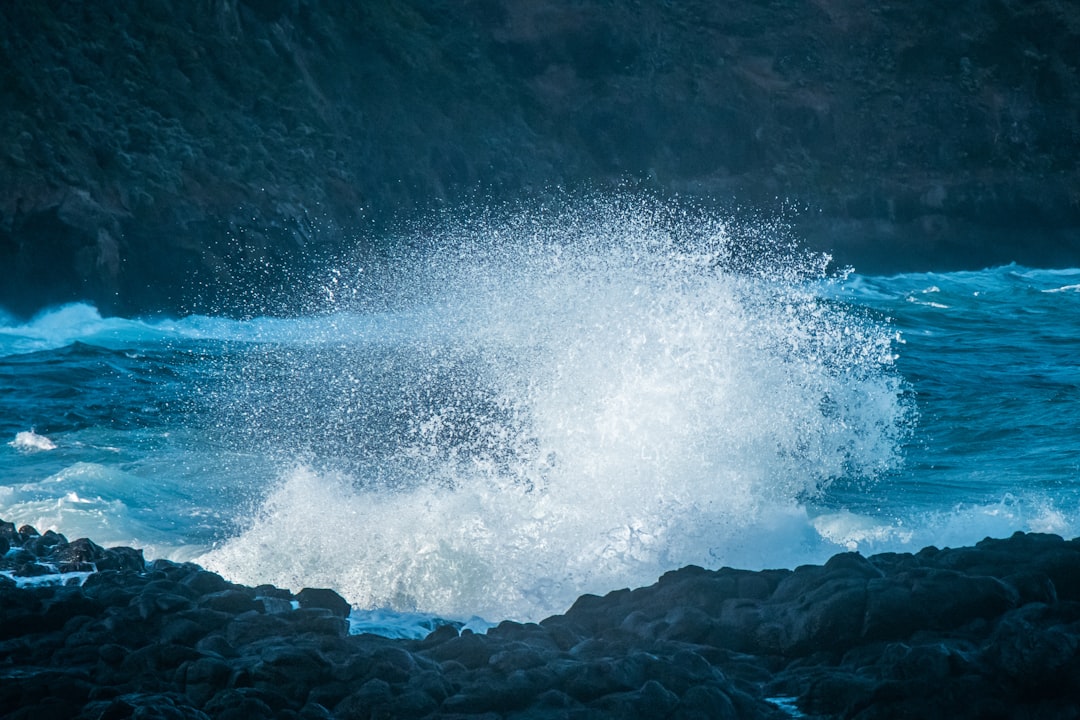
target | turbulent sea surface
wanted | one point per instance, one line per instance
(513, 413)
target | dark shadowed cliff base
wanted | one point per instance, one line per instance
(165, 154)
(991, 631)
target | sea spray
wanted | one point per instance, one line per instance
(178, 435)
(523, 408)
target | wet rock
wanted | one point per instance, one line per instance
(1035, 650)
(121, 558)
(318, 621)
(932, 599)
(468, 649)
(204, 582)
(324, 598)
(963, 632)
(239, 704)
(9, 534)
(231, 601)
(653, 700)
(706, 701)
(33, 569)
(253, 626)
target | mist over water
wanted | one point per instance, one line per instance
(519, 409)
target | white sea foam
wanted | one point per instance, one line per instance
(101, 502)
(603, 396)
(30, 441)
(1064, 288)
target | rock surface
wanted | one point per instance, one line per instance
(170, 155)
(976, 632)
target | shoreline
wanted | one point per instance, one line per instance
(991, 630)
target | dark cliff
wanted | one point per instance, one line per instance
(161, 154)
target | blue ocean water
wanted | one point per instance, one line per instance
(510, 415)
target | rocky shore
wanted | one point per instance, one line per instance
(990, 631)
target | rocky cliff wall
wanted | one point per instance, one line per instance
(163, 154)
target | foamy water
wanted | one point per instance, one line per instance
(587, 407)
(518, 409)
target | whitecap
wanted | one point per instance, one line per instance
(30, 441)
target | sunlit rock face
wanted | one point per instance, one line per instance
(157, 156)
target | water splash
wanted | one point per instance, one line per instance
(30, 441)
(520, 409)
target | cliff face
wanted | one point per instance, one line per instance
(159, 155)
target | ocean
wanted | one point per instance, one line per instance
(507, 413)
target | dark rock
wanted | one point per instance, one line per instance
(33, 569)
(517, 658)
(273, 604)
(333, 120)
(706, 701)
(392, 664)
(323, 598)
(110, 588)
(1033, 651)
(113, 654)
(121, 558)
(272, 592)
(319, 621)
(290, 670)
(589, 681)
(202, 677)
(9, 534)
(205, 583)
(329, 694)
(75, 567)
(156, 658)
(372, 694)
(52, 539)
(252, 626)
(438, 636)
(653, 700)
(468, 649)
(498, 694)
(232, 601)
(208, 620)
(836, 694)
(935, 599)
(182, 631)
(151, 604)
(151, 706)
(1032, 586)
(961, 632)
(17, 555)
(314, 711)
(239, 704)
(433, 683)
(216, 644)
(413, 704)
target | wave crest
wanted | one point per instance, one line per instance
(568, 402)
